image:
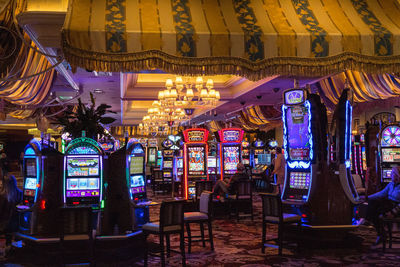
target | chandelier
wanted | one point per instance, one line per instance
(189, 95)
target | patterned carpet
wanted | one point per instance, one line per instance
(238, 244)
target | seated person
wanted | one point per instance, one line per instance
(10, 196)
(385, 203)
(228, 186)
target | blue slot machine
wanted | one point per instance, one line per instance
(230, 147)
(298, 146)
(389, 151)
(136, 171)
(83, 173)
(42, 169)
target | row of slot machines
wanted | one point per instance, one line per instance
(83, 176)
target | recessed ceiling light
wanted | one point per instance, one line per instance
(98, 91)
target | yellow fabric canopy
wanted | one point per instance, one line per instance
(252, 38)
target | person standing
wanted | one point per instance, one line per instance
(279, 169)
(4, 163)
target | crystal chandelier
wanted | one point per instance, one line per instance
(189, 95)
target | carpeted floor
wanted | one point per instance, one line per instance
(238, 244)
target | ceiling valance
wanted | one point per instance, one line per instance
(252, 38)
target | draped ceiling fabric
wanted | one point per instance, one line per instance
(366, 87)
(258, 117)
(23, 63)
(251, 38)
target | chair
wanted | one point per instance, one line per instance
(242, 198)
(204, 215)
(388, 223)
(203, 186)
(272, 213)
(171, 222)
(76, 225)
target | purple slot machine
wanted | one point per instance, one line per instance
(195, 156)
(298, 146)
(246, 153)
(230, 147)
(389, 151)
(83, 173)
(358, 157)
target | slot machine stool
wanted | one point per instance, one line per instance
(388, 231)
(272, 213)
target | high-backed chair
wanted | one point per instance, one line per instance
(387, 224)
(76, 226)
(171, 222)
(204, 215)
(242, 200)
(203, 186)
(358, 184)
(272, 212)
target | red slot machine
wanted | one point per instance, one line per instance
(195, 159)
(230, 150)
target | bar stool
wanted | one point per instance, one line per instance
(202, 216)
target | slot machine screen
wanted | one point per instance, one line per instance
(212, 162)
(159, 153)
(231, 159)
(268, 157)
(391, 154)
(196, 157)
(137, 184)
(297, 125)
(167, 174)
(387, 174)
(256, 161)
(78, 167)
(299, 180)
(246, 161)
(179, 163)
(136, 165)
(152, 155)
(30, 183)
(30, 167)
(167, 164)
(245, 153)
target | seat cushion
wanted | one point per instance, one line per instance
(194, 216)
(155, 227)
(76, 237)
(287, 217)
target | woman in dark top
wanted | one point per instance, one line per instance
(10, 196)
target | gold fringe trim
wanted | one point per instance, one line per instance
(286, 66)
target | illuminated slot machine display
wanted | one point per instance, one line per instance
(195, 154)
(259, 157)
(83, 173)
(298, 146)
(137, 177)
(168, 160)
(42, 170)
(389, 148)
(152, 152)
(229, 150)
(363, 153)
(358, 156)
(212, 165)
(246, 153)
(159, 162)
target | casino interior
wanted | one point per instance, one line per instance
(241, 132)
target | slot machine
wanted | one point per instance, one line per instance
(83, 173)
(341, 122)
(152, 152)
(389, 151)
(259, 157)
(246, 153)
(212, 165)
(195, 153)
(42, 168)
(229, 150)
(358, 156)
(298, 146)
(108, 147)
(137, 177)
(159, 162)
(168, 161)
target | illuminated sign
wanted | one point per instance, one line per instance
(196, 135)
(153, 142)
(273, 143)
(245, 144)
(167, 143)
(231, 135)
(294, 97)
(107, 146)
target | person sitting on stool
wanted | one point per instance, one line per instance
(385, 203)
(228, 186)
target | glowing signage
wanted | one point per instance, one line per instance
(195, 135)
(294, 97)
